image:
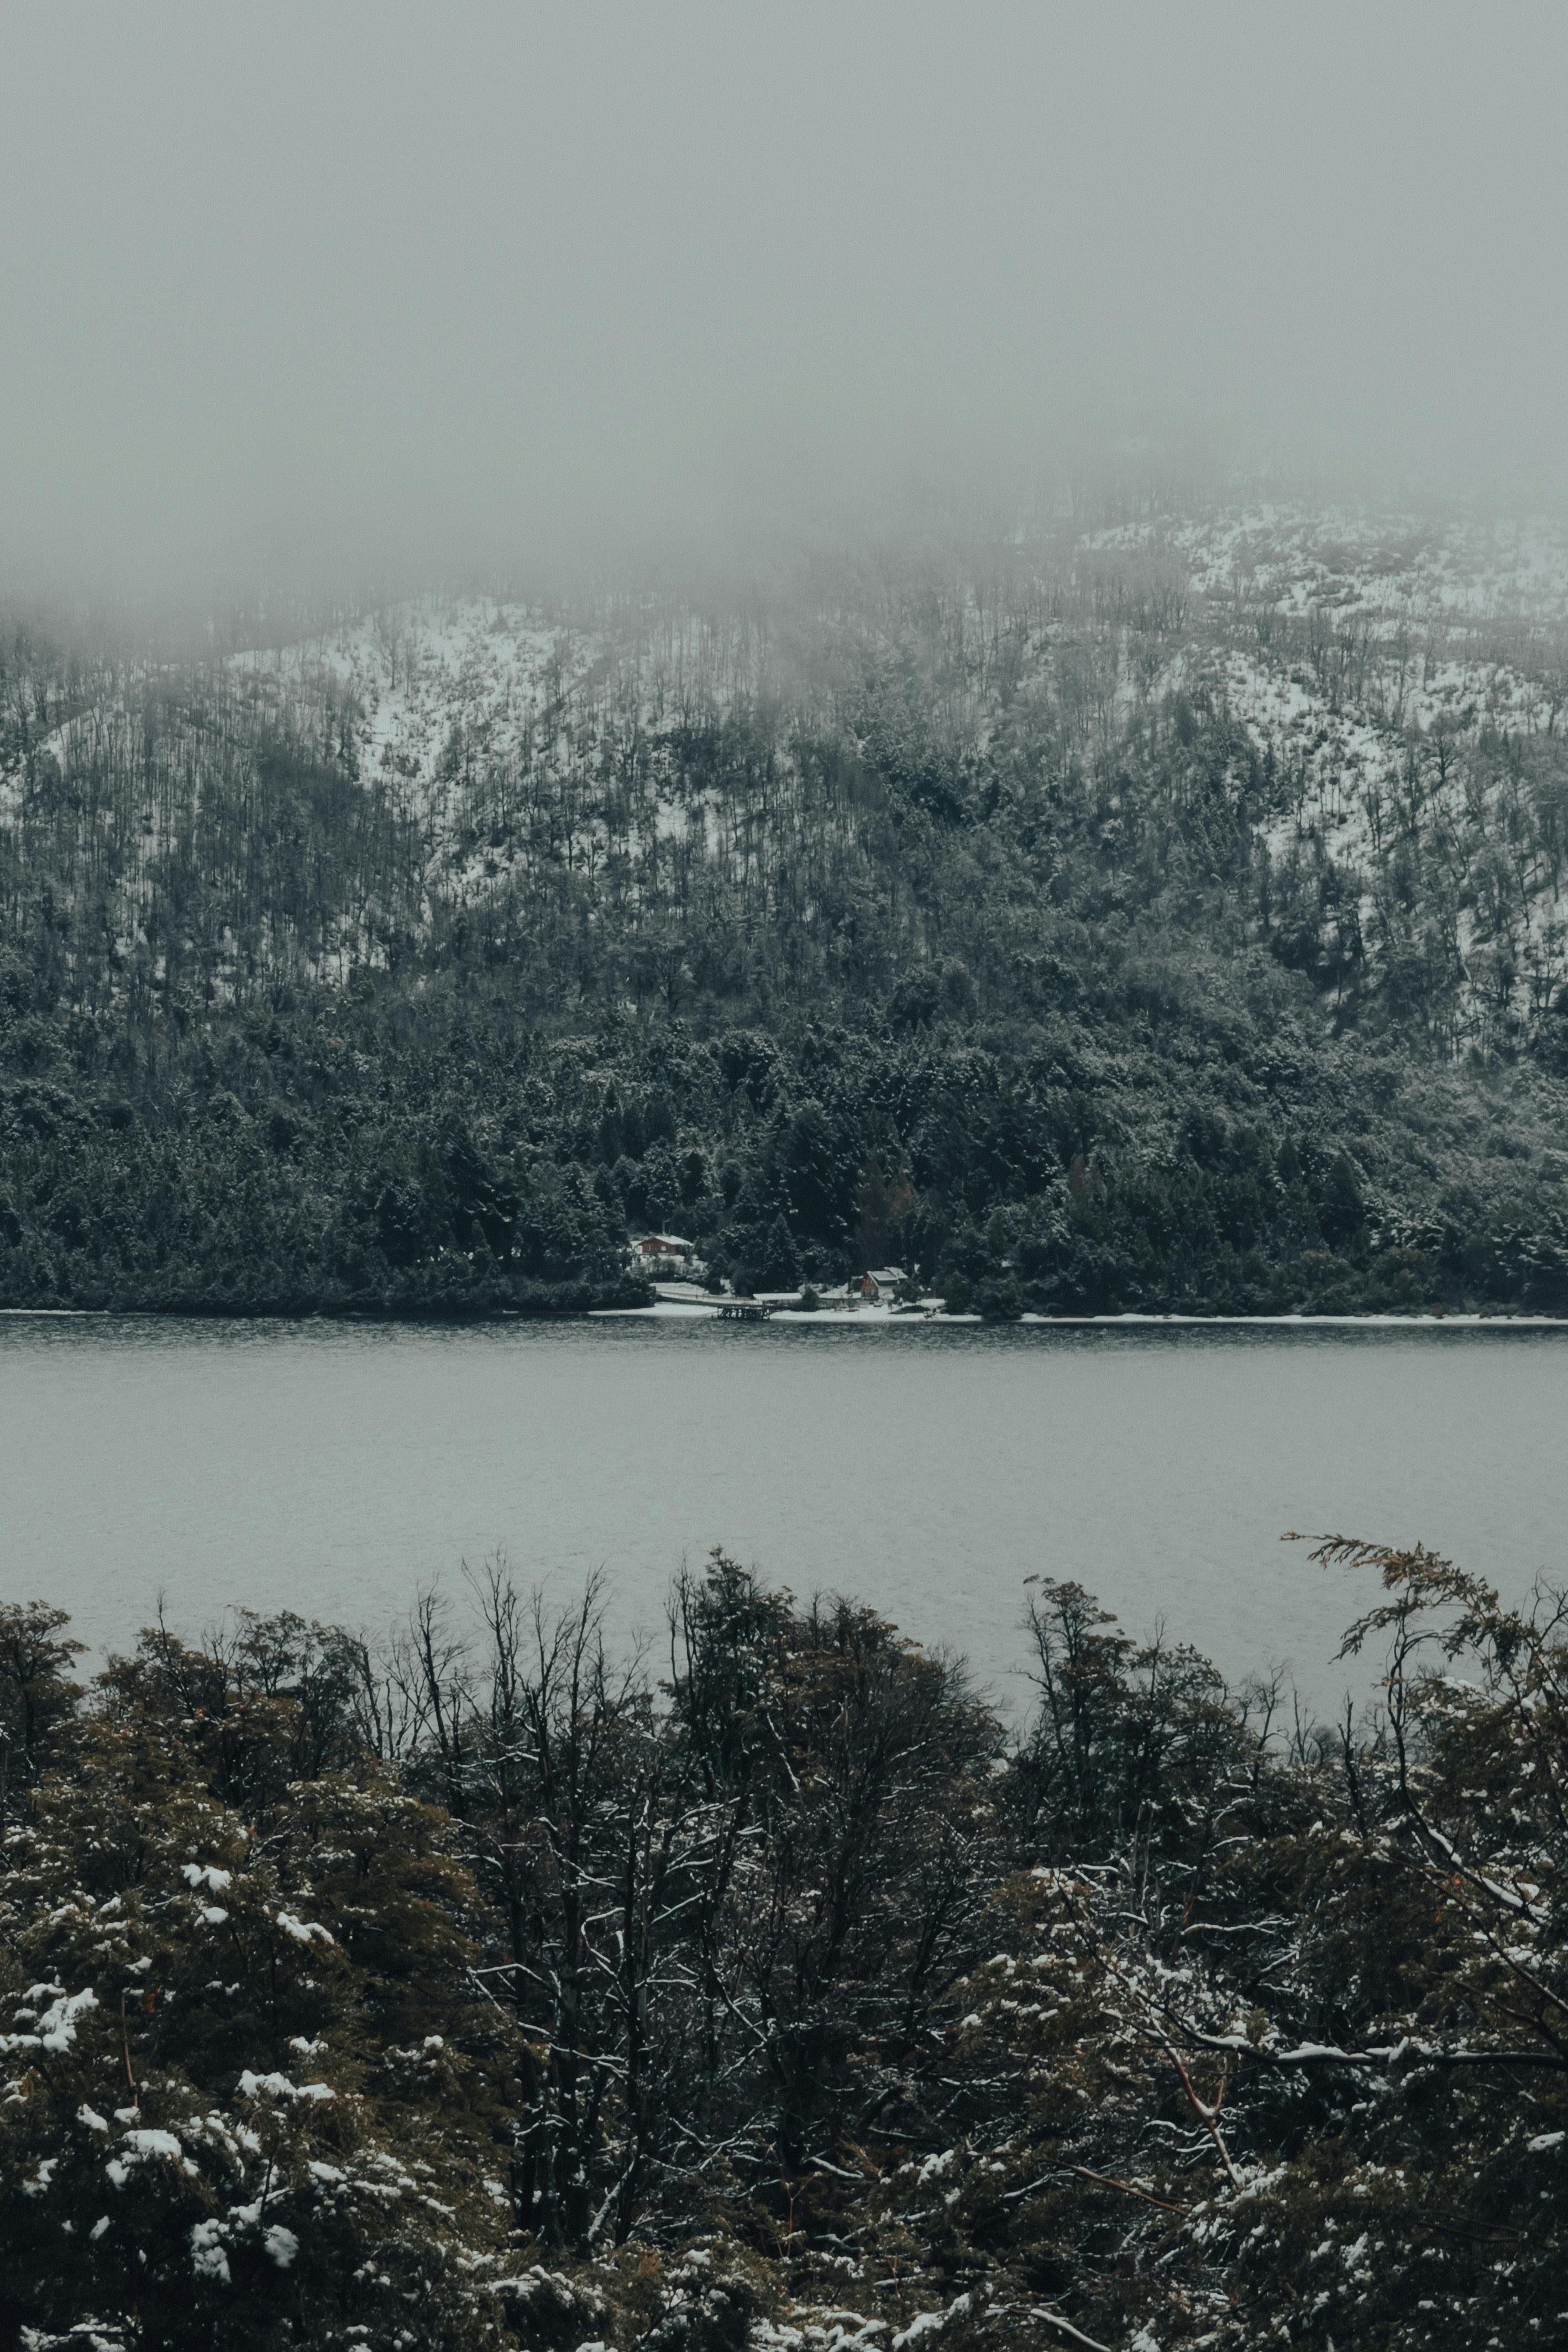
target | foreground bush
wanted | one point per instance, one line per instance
(483, 1990)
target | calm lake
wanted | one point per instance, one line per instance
(331, 1468)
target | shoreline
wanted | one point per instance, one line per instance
(822, 1319)
(884, 1318)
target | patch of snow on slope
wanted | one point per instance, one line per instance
(435, 685)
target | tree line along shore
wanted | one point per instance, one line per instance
(1161, 913)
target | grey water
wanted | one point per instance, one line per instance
(333, 1468)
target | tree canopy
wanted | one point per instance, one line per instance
(478, 1988)
(1157, 910)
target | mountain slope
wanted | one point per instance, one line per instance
(1167, 912)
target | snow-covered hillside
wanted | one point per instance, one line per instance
(1407, 684)
(1396, 688)
(418, 677)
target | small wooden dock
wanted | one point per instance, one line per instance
(743, 1310)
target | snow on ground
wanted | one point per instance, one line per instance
(1330, 634)
(436, 681)
(1397, 629)
(1399, 567)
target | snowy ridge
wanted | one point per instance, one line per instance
(419, 675)
(1399, 680)
(1401, 686)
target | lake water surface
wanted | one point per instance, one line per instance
(332, 1467)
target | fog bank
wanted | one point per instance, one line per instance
(394, 290)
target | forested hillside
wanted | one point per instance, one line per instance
(479, 1990)
(1150, 908)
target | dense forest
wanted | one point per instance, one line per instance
(479, 1988)
(1140, 909)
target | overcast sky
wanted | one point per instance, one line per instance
(356, 284)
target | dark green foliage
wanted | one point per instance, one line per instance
(37, 1695)
(478, 1991)
(420, 1151)
(926, 921)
